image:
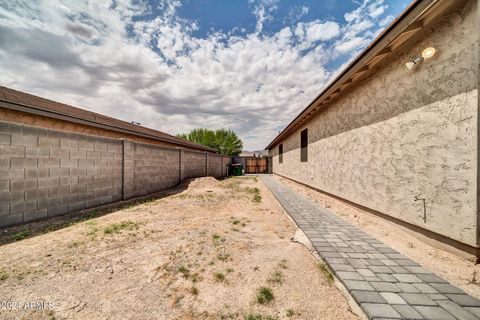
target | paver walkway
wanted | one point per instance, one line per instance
(385, 283)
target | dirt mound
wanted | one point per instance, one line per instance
(203, 183)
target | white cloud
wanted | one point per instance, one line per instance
(94, 55)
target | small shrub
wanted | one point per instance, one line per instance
(283, 264)
(184, 271)
(118, 227)
(223, 256)
(219, 276)
(253, 317)
(20, 235)
(3, 275)
(276, 277)
(229, 270)
(264, 295)
(290, 313)
(215, 236)
(194, 291)
(324, 270)
(236, 221)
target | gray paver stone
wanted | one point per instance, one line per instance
(407, 312)
(417, 299)
(392, 298)
(367, 296)
(385, 287)
(406, 278)
(464, 300)
(456, 310)
(434, 313)
(376, 310)
(358, 285)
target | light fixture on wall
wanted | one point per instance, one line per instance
(413, 63)
(427, 53)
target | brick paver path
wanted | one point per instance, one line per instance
(385, 283)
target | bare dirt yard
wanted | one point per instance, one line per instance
(216, 250)
(458, 270)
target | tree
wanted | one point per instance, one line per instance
(225, 141)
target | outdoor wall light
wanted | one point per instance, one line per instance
(427, 53)
(413, 63)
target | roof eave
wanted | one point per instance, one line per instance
(359, 66)
(56, 115)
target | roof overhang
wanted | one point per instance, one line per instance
(55, 115)
(418, 15)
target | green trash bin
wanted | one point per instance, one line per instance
(237, 169)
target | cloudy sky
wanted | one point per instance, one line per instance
(247, 65)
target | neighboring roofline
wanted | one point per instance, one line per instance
(58, 115)
(402, 28)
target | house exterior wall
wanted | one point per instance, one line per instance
(400, 134)
(45, 172)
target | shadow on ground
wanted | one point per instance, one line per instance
(34, 228)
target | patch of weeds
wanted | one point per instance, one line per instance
(229, 270)
(290, 313)
(211, 263)
(194, 291)
(324, 270)
(257, 198)
(235, 222)
(3, 275)
(90, 215)
(219, 276)
(264, 295)
(235, 229)
(93, 232)
(283, 264)
(223, 256)
(184, 271)
(256, 316)
(217, 239)
(195, 278)
(75, 244)
(243, 224)
(118, 227)
(276, 277)
(20, 235)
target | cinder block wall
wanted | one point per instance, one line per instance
(198, 164)
(45, 173)
(155, 168)
(215, 166)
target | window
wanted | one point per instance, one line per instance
(304, 145)
(280, 153)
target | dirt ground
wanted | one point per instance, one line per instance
(203, 253)
(460, 271)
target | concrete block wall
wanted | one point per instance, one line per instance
(155, 168)
(45, 173)
(215, 165)
(197, 164)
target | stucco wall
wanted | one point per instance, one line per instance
(401, 134)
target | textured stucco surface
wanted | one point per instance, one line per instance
(401, 134)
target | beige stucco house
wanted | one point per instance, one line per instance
(397, 133)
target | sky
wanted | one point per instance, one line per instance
(247, 65)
